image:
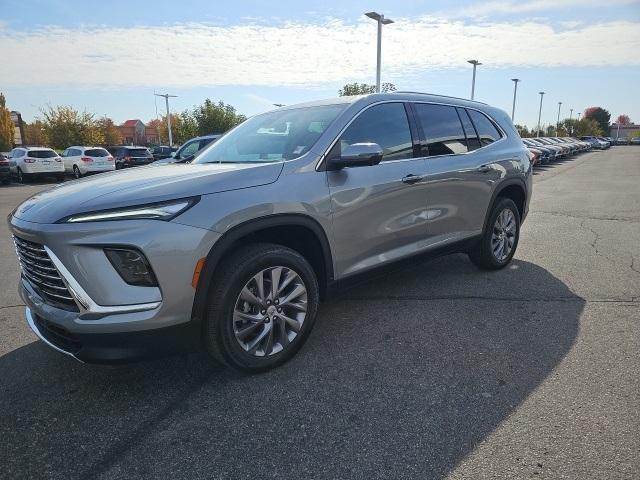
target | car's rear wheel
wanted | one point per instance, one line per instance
(76, 172)
(23, 177)
(263, 304)
(500, 239)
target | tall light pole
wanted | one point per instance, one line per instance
(515, 90)
(166, 100)
(558, 121)
(571, 118)
(381, 21)
(475, 63)
(540, 112)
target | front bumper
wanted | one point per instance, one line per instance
(112, 348)
(114, 321)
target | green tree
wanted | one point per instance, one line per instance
(7, 130)
(213, 117)
(364, 89)
(66, 126)
(109, 131)
(600, 115)
(35, 134)
(523, 131)
(183, 127)
(588, 126)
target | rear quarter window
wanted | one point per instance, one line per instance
(487, 131)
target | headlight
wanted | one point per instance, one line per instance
(151, 211)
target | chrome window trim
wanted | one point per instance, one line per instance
(496, 124)
(85, 302)
(32, 324)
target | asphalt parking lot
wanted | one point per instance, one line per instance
(437, 371)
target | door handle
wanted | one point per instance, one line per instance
(485, 168)
(411, 179)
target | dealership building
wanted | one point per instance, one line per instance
(18, 136)
(628, 130)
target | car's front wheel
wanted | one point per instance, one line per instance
(262, 307)
(500, 239)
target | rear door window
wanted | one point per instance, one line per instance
(442, 129)
(487, 131)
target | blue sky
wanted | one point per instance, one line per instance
(110, 57)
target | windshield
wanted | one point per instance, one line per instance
(42, 154)
(272, 137)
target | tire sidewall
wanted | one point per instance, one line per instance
(220, 316)
(76, 172)
(499, 207)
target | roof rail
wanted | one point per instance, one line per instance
(438, 95)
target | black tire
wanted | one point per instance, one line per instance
(482, 254)
(6, 181)
(23, 177)
(229, 280)
(76, 172)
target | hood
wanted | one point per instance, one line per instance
(142, 185)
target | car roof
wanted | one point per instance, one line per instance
(37, 148)
(373, 97)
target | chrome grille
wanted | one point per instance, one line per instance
(40, 272)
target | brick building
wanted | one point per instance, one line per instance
(134, 132)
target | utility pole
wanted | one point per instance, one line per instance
(475, 63)
(381, 21)
(558, 121)
(540, 112)
(166, 99)
(515, 90)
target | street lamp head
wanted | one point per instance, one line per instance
(474, 62)
(515, 80)
(559, 103)
(541, 93)
(378, 17)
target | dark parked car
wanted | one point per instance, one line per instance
(130, 156)
(162, 151)
(5, 172)
(189, 149)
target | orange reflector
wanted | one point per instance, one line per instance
(196, 272)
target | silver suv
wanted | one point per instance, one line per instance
(233, 252)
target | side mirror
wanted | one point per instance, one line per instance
(357, 155)
(173, 154)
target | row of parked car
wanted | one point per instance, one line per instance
(543, 150)
(26, 163)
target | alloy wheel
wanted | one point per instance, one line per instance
(504, 235)
(269, 311)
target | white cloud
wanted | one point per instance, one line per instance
(297, 54)
(493, 7)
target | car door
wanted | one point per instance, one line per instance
(461, 167)
(378, 211)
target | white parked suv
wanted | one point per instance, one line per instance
(36, 161)
(80, 161)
